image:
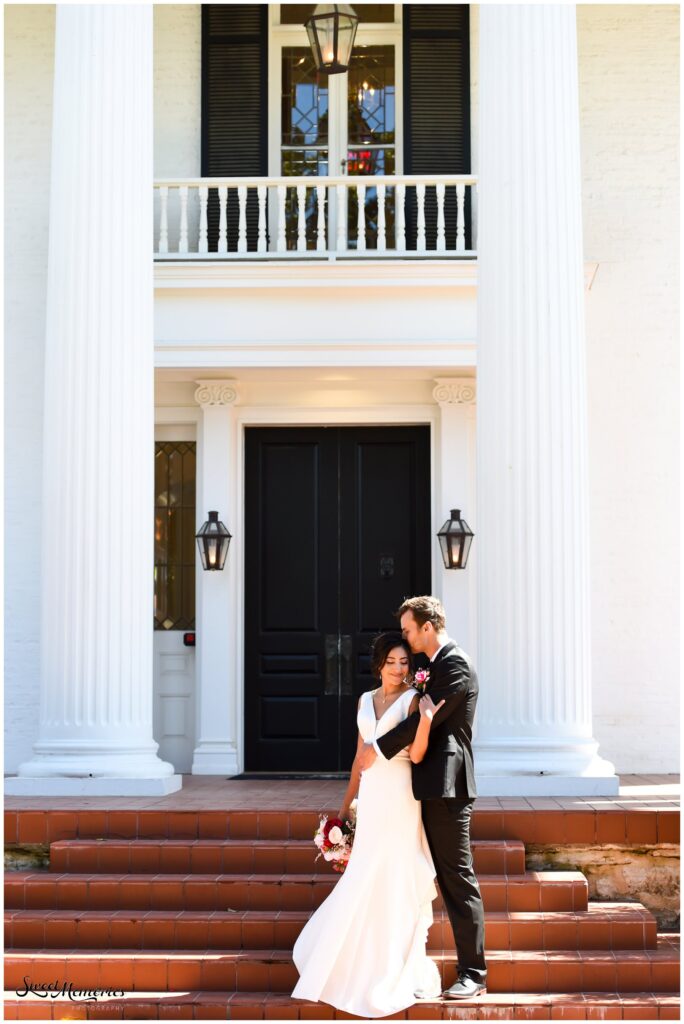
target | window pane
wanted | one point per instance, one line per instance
(304, 99)
(371, 95)
(296, 14)
(174, 535)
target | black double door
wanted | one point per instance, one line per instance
(337, 534)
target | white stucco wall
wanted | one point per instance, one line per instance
(29, 34)
(629, 89)
(628, 94)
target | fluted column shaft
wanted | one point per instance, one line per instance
(98, 498)
(534, 712)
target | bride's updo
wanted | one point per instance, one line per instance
(380, 650)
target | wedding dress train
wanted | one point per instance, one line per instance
(363, 950)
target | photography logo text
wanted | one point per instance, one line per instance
(64, 989)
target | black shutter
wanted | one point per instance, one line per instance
(436, 108)
(234, 106)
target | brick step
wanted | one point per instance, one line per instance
(222, 1005)
(601, 926)
(25, 890)
(490, 820)
(233, 856)
(264, 970)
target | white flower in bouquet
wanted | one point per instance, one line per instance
(335, 835)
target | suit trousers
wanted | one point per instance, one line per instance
(447, 826)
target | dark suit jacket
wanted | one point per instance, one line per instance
(447, 769)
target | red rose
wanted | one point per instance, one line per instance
(330, 823)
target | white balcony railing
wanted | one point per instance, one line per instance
(403, 216)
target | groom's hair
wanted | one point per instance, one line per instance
(425, 609)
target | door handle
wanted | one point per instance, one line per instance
(347, 673)
(331, 664)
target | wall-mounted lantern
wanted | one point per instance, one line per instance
(455, 539)
(331, 29)
(213, 540)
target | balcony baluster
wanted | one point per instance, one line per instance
(195, 211)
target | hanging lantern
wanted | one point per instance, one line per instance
(455, 539)
(331, 29)
(212, 540)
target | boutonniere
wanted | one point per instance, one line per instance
(421, 679)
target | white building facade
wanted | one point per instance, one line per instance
(334, 365)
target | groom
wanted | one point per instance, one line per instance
(445, 781)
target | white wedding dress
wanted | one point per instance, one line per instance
(363, 950)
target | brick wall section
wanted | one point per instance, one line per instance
(628, 73)
(29, 49)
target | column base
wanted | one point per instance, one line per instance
(215, 758)
(64, 785)
(542, 766)
(83, 767)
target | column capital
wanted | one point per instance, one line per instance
(455, 391)
(216, 392)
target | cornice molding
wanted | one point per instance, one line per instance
(455, 391)
(215, 392)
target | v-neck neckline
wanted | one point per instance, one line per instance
(378, 720)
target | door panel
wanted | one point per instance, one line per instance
(337, 534)
(290, 605)
(385, 529)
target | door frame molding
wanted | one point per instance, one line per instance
(452, 425)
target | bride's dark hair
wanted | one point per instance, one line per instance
(380, 649)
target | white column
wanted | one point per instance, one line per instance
(456, 489)
(216, 752)
(95, 732)
(534, 713)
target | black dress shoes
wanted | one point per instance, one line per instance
(464, 988)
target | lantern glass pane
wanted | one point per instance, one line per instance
(224, 551)
(455, 548)
(345, 39)
(444, 548)
(212, 547)
(467, 541)
(202, 552)
(325, 29)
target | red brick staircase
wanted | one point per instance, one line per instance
(202, 928)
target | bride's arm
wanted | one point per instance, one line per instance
(353, 787)
(427, 709)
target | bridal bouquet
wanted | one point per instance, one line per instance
(334, 839)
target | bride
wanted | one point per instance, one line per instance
(363, 950)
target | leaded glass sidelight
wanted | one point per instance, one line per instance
(174, 534)
(305, 142)
(371, 134)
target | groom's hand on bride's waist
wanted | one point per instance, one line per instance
(367, 756)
